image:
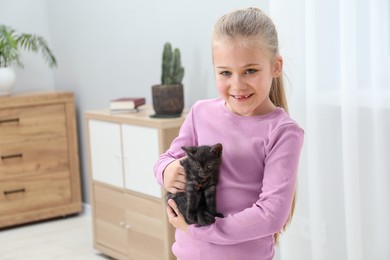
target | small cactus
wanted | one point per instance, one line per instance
(172, 71)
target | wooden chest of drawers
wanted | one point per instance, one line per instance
(39, 166)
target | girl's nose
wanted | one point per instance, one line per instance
(237, 83)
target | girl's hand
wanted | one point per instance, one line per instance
(174, 177)
(175, 217)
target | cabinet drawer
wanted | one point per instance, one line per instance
(140, 152)
(109, 217)
(31, 123)
(25, 159)
(106, 152)
(146, 232)
(35, 192)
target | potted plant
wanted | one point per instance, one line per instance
(11, 42)
(168, 97)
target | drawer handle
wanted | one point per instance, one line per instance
(17, 155)
(8, 192)
(11, 120)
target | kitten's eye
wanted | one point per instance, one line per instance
(209, 165)
(197, 167)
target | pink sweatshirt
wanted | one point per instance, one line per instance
(257, 180)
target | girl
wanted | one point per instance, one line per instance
(261, 145)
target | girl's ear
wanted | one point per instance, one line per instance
(277, 66)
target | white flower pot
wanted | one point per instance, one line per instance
(7, 80)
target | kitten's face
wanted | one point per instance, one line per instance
(204, 159)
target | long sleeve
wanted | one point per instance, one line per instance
(186, 136)
(270, 212)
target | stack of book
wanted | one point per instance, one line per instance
(126, 104)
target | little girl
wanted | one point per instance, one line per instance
(261, 145)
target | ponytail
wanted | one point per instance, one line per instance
(277, 94)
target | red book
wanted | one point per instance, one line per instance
(126, 103)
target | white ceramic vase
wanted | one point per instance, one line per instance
(7, 80)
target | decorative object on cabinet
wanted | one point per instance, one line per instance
(11, 42)
(128, 206)
(168, 97)
(39, 164)
(126, 103)
(7, 80)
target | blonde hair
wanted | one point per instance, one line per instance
(253, 25)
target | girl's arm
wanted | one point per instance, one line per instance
(167, 170)
(268, 215)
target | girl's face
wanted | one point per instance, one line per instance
(244, 76)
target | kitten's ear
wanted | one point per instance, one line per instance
(189, 149)
(217, 149)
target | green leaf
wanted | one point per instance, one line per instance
(11, 43)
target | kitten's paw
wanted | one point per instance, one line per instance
(205, 219)
(219, 215)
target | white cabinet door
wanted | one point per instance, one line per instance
(140, 152)
(106, 159)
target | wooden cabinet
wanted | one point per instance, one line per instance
(39, 167)
(129, 210)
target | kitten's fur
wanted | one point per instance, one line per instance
(198, 203)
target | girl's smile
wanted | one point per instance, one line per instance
(244, 75)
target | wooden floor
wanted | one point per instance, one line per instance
(63, 238)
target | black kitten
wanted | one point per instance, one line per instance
(198, 203)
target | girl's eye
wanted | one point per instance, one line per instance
(250, 71)
(225, 73)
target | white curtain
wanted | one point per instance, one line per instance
(337, 63)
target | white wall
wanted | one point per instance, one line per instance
(107, 49)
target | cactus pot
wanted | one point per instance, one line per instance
(168, 100)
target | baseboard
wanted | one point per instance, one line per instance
(87, 209)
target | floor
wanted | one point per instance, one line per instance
(63, 238)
